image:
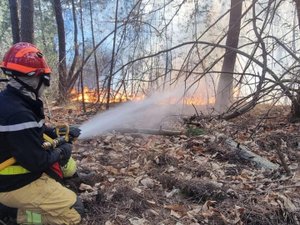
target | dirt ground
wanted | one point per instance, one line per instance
(191, 178)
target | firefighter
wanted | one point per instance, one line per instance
(30, 189)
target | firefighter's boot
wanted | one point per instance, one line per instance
(8, 215)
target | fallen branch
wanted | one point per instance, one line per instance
(246, 154)
(150, 131)
(286, 187)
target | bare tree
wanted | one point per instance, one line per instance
(83, 55)
(112, 58)
(67, 78)
(71, 77)
(225, 85)
(297, 2)
(295, 109)
(95, 54)
(14, 18)
(62, 66)
(148, 61)
(43, 35)
(27, 21)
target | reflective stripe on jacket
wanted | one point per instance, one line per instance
(21, 137)
(14, 170)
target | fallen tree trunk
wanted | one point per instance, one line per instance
(246, 154)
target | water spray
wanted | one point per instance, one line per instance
(149, 111)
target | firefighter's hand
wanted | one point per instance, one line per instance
(74, 132)
(50, 131)
(65, 153)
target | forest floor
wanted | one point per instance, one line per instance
(191, 178)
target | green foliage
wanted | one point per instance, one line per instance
(45, 27)
(45, 35)
(5, 26)
(194, 131)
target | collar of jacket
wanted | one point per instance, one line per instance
(37, 106)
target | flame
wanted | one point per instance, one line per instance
(237, 92)
(199, 101)
(189, 100)
(90, 96)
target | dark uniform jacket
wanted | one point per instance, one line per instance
(21, 137)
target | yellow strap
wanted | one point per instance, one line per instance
(6, 167)
(14, 170)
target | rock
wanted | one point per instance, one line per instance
(147, 182)
(85, 187)
(111, 179)
(138, 221)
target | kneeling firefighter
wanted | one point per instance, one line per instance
(30, 189)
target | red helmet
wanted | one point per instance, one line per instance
(24, 59)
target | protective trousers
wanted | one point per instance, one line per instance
(43, 201)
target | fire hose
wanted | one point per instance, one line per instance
(63, 136)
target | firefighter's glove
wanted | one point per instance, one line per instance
(50, 131)
(74, 133)
(65, 153)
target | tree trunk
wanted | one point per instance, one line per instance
(14, 18)
(95, 53)
(295, 109)
(294, 115)
(27, 21)
(62, 66)
(297, 2)
(71, 79)
(112, 58)
(83, 55)
(225, 84)
(42, 27)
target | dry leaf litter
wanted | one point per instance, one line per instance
(141, 179)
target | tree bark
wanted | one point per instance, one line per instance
(95, 54)
(62, 66)
(76, 50)
(112, 58)
(225, 85)
(27, 21)
(295, 108)
(42, 27)
(14, 18)
(297, 2)
(83, 55)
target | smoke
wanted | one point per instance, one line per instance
(147, 113)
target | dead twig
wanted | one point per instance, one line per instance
(286, 187)
(283, 162)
